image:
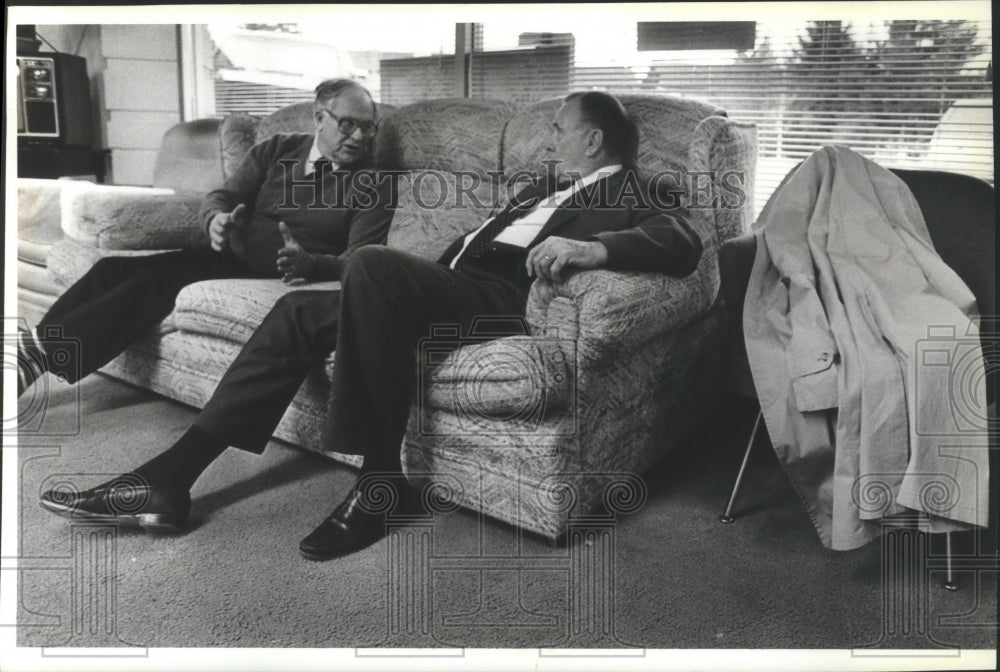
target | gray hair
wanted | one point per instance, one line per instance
(329, 90)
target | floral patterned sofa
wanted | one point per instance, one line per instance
(619, 369)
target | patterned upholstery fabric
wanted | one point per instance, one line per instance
(666, 129)
(621, 368)
(724, 150)
(237, 134)
(447, 135)
(231, 309)
(69, 259)
(433, 212)
(518, 378)
(297, 118)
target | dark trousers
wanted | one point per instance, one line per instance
(120, 299)
(389, 301)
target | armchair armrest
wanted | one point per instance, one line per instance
(132, 218)
(610, 312)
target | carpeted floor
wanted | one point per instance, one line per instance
(677, 578)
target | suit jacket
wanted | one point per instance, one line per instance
(619, 212)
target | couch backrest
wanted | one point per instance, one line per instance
(666, 129)
(449, 153)
(459, 134)
(433, 139)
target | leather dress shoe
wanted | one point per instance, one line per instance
(124, 500)
(355, 524)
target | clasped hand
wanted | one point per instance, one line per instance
(552, 256)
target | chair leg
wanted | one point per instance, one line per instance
(727, 516)
(949, 581)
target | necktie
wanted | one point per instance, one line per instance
(518, 208)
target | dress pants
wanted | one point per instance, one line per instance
(120, 299)
(389, 301)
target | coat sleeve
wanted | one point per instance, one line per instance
(657, 242)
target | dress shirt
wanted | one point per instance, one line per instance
(314, 156)
(526, 228)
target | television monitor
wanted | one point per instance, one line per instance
(53, 100)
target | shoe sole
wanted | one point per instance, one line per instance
(157, 523)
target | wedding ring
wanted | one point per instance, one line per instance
(547, 258)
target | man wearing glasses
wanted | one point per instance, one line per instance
(283, 213)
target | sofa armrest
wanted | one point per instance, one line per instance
(132, 218)
(610, 312)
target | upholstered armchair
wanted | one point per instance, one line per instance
(619, 369)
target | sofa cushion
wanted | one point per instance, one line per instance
(450, 134)
(433, 211)
(231, 309)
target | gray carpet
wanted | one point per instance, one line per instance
(678, 578)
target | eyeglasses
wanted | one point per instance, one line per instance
(347, 125)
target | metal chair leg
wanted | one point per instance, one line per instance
(727, 516)
(949, 582)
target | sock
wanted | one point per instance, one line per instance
(388, 465)
(181, 464)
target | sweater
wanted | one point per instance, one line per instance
(330, 217)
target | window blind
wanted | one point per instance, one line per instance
(257, 99)
(905, 93)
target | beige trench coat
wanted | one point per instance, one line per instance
(865, 354)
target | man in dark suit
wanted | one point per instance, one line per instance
(390, 299)
(282, 213)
